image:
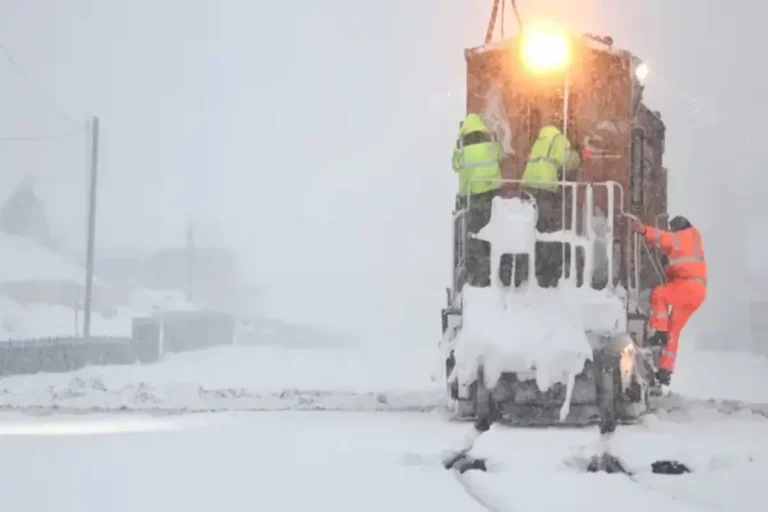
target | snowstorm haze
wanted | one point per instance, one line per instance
(315, 137)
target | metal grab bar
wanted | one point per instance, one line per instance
(652, 256)
(459, 247)
(613, 207)
(655, 262)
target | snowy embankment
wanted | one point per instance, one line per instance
(250, 378)
(279, 378)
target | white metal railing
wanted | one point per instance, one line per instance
(575, 233)
(459, 249)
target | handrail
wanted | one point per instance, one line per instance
(460, 250)
(587, 225)
(654, 262)
(636, 266)
(657, 267)
(562, 183)
(583, 227)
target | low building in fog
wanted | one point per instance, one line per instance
(209, 276)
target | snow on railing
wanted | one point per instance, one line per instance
(579, 232)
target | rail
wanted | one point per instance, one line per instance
(575, 230)
(459, 250)
(654, 258)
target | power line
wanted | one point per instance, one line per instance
(50, 105)
(39, 138)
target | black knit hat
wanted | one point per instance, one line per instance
(679, 223)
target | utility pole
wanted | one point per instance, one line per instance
(91, 227)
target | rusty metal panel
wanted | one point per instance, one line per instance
(605, 115)
(518, 104)
(601, 102)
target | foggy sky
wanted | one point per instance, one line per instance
(316, 136)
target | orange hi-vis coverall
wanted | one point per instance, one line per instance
(685, 289)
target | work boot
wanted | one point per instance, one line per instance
(483, 424)
(663, 376)
(658, 339)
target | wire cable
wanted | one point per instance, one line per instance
(39, 138)
(50, 105)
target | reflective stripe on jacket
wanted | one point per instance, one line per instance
(546, 161)
(478, 164)
(685, 251)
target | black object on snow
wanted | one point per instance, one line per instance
(610, 464)
(463, 463)
(669, 467)
(451, 461)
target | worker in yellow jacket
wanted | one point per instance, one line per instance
(552, 159)
(477, 161)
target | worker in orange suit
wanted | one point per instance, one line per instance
(684, 291)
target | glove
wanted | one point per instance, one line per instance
(638, 227)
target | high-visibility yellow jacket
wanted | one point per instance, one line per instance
(551, 155)
(477, 157)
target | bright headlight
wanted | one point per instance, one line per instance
(546, 50)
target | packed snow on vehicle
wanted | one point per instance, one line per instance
(545, 355)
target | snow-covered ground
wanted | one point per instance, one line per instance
(280, 462)
(544, 469)
(364, 461)
(350, 457)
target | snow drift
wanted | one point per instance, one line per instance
(251, 378)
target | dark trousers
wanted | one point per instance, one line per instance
(478, 252)
(549, 255)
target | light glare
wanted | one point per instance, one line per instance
(641, 71)
(546, 50)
